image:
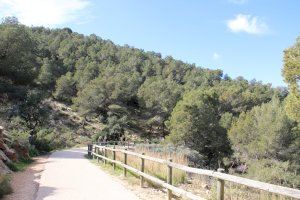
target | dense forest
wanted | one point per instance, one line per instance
(131, 94)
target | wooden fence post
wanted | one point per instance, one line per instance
(89, 151)
(220, 186)
(105, 155)
(114, 157)
(102, 153)
(142, 170)
(125, 162)
(169, 180)
(98, 154)
(94, 151)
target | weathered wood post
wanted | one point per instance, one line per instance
(114, 157)
(220, 186)
(90, 150)
(98, 150)
(169, 180)
(94, 149)
(125, 162)
(142, 170)
(105, 155)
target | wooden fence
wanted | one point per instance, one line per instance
(100, 151)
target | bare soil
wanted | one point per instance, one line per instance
(25, 184)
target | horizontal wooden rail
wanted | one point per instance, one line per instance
(280, 190)
(276, 189)
(179, 192)
(158, 160)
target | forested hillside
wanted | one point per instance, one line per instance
(120, 92)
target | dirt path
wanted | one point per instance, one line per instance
(69, 176)
(25, 184)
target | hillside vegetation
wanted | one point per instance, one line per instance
(60, 88)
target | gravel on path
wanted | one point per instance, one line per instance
(25, 183)
(69, 176)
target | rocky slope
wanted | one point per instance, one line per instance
(10, 151)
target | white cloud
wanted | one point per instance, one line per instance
(238, 1)
(43, 12)
(216, 56)
(247, 23)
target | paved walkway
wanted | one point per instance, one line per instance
(69, 176)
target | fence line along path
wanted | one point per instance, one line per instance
(101, 152)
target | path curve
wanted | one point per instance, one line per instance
(70, 176)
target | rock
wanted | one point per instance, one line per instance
(11, 154)
(3, 157)
(2, 146)
(4, 169)
(22, 151)
(1, 131)
(241, 169)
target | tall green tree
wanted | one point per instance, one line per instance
(33, 112)
(160, 95)
(263, 132)
(195, 123)
(291, 74)
(18, 50)
(265, 139)
(111, 87)
(65, 88)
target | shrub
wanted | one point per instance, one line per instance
(4, 186)
(273, 171)
(33, 151)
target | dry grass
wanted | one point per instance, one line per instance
(155, 169)
(203, 186)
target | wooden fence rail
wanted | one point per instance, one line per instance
(94, 150)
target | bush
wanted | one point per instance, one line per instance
(48, 140)
(4, 186)
(20, 165)
(12, 166)
(115, 128)
(33, 151)
(273, 171)
(194, 123)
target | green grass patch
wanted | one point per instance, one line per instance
(20, 165)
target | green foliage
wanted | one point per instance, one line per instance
(195, 123)
(5, 187)
(159, 94)
(266, 139)
(226, 120)
(65, 88)
(50, 71)
(111, 88)
(122, 86)
(33, 152)
(273, 171)
(85, 73)
(19, 165)
(291, 74)
(48, 140)
(201, 78)
(239, 95)
(33, 112)
(17, 53)
(263, 132)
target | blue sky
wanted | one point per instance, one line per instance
(241, 37)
